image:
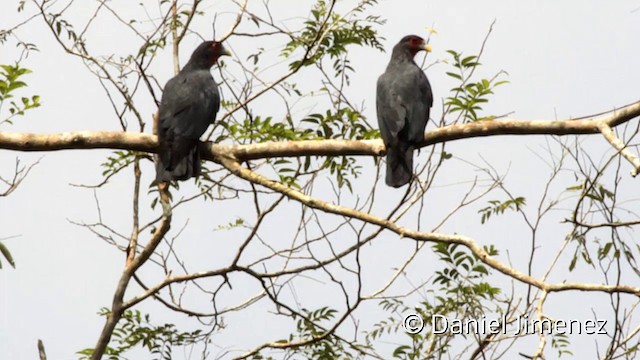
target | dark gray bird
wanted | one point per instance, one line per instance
(190, 102)
(403, 103)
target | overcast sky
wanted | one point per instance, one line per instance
(563, 59)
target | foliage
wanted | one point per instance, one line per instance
(335, 33)
(135, 330)
(119, 160)
(468, 97)
(11, 79)
(312, 64)
(561, 343)
(497, 207)
(309, 327)
(463, 293)
(595, 197)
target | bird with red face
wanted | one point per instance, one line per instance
(189, 103)
(403, 103)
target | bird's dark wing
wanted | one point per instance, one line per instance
(189, 104)
(403, 103)
(390, 109)
(418, 100)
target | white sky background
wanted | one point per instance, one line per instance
(565, 59)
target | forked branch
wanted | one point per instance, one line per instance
(235, 24)
(404, 232)
(132, 265)
(611, 137)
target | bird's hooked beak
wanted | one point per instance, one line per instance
(225, 51)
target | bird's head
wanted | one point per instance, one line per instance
(414, 44)
(208, 53)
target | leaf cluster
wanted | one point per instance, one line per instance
(11, 79)
(469, 96)
(135, 330)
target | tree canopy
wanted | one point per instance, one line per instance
(289, 245)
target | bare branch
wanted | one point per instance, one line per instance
(471, 244)
(19, 174)
(243, 7)
(117, 307)
(176, 41)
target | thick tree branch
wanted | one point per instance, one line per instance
(209, 151)
(78, 140)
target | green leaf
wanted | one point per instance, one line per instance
(454, 75)
(572, 265)
(7, 255)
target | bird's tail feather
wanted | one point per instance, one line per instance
(183, 169)
(399, 165)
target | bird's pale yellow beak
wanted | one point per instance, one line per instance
(427, 47)
(225, 51)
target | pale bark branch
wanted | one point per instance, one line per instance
(540, 316)
(471, 244)
(176, 40)
(211, 151)
(233, 27)
(608, 134)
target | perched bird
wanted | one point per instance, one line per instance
(190, 102)
(403, 103)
